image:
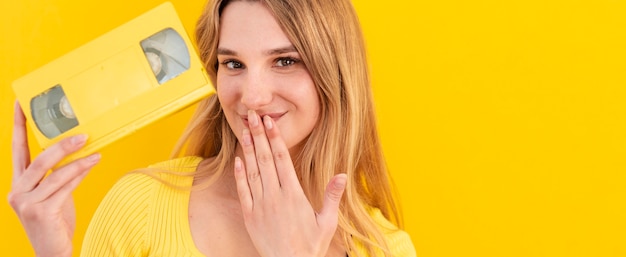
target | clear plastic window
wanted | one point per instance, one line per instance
(167, 54)
(52, 112)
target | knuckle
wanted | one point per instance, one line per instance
(16, 144)
(265, 159)
(274, 136)
(335, 194)
(24, 209)
(254, 176)
(54, 180)
(13, 199)
(281, 155)
(66, 145)
(83, 164)
(37, 165)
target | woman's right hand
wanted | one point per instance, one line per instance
(45, 206)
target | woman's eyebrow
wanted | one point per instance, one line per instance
(282, 50)
(224, 51)
(276, 51)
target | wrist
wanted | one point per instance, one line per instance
(66, 253)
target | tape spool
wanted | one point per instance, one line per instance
(52, 112)
(167, 54)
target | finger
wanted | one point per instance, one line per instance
(264, 157)
(21, 154)
(284, 165)
(47, 159)
(243, 190)
(328, 216)
(60, 197)
(61, 177)
(252, 170)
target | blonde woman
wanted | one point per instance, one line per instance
(284, 160)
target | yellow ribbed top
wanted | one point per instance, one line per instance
(141, 216)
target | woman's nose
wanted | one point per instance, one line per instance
(256, 92)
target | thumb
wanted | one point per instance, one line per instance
(332, 198)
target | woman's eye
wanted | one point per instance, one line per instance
(284, 62)
(230, 64)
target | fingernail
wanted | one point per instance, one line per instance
(237, 164)
(253, 118)
(340, 183)
(247, 139)
(79, 139)
(94, 157)
(268, 121)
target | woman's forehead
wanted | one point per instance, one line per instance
(250, 25)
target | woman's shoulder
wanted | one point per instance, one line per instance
(398, 240)
(142, 181)
(182, 164)
(129, 213)
(173, 171)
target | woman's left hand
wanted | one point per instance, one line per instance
(277, 214)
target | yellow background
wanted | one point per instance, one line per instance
(503, 121)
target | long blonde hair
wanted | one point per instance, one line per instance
(328, 36)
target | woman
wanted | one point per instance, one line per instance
(284, 161)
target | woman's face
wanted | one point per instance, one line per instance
(260, 70)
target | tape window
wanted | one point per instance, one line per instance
(167, 54)
(52, 112)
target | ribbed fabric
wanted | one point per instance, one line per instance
(398, 241)
(141, 216)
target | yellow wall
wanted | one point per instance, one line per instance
(504, 122)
